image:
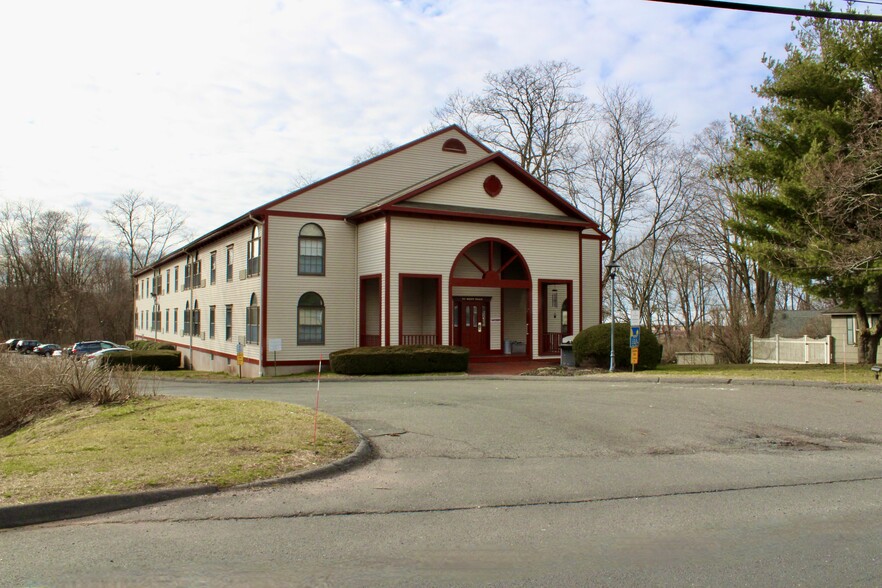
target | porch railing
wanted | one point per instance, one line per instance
(418, 339)
(551, 343)
(370, 341)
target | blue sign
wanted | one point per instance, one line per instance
(635, 336)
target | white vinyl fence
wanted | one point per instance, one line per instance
(781, 350)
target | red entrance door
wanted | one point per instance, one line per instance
(473, 326)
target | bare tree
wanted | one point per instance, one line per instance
(373, 151)
(750, 291)
(53, 285)
(533, 113)
(146, 227)
(635, 183)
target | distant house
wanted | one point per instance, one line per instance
(843, 327)
(799, 323)
(440, 241)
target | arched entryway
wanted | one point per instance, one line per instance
(490, 290)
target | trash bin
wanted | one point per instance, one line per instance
(506, 347)
(567, 358)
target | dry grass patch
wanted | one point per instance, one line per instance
(149, 443)
(835, 374)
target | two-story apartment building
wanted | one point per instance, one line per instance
(439, 241)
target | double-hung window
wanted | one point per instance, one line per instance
(311, 251)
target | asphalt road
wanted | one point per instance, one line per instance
(520, 482)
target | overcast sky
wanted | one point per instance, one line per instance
(219, 106)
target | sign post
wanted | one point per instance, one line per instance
(635, 338)
(240, 358)
(274, 345)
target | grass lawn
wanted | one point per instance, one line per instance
(836, 374)
(149, 443)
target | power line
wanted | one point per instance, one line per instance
(777, 10)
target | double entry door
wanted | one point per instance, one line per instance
(471, 324)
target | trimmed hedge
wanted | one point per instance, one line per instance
(400, 359)
(161, 359)
(591, 346)
(142, 345)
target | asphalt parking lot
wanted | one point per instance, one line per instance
(521, 482)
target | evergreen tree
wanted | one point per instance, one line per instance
(816, 143)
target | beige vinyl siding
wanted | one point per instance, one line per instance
(590, 284)
(419, 298)
(237, 292)
(515, 318)
(372, 247)
(337, 287)
(842, 351)
(383, 177)
(431, 246)
(371, 261)
(468, 190)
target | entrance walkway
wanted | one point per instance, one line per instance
(508, 368)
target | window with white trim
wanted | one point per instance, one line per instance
(252, 321)
(252, 253)
(311, 320)
(311, 251)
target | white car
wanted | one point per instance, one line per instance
(97, 358)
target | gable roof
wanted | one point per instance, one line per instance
(372, 160)
(399, 200)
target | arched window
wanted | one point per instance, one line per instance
(185, 330)
(311, 320)
(194, 316)
(311, 251)
(252, 253)
(252, 321)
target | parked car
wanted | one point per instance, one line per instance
(9, 344)
(84, 348)
(61, 352)
(46, 349)
(97, 358)
(26, 345)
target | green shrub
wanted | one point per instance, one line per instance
(143, 345)
(591, 346)
(400, 359)
(161, 359)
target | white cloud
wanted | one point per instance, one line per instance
(217, 106)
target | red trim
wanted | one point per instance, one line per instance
(595, 237)
(543, 310)
(388, 279)
(478, 217)
(474, 263)
(581, 291)
(515, 170)
(312, 215)
(362, 315)
(490, 283)
(599, 286)
(263, 289)
(486, 301)
(496, 282)
(453, 146)
(437, 277)
(200, 349)
(367, 162)
(262, 210)
(493, 186)
(325, 362)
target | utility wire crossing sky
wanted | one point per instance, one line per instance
(220, 106)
